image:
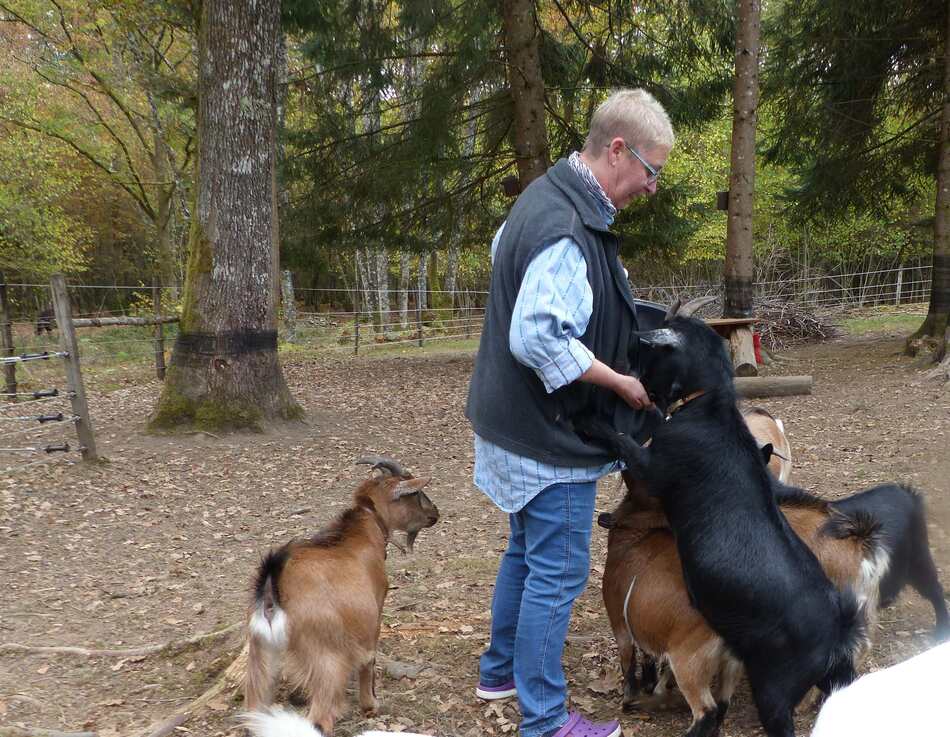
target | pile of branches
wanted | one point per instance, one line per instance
(783, 324)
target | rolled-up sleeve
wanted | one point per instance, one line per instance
(551, 313)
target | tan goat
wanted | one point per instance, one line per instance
(770, 430)
(648, 603)
(320, 600)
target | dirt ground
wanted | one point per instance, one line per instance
(159, 543)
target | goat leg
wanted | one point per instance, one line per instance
(600, 432)
(368, 701)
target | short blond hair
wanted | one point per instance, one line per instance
(634, 115)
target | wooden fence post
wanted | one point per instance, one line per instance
(900, 280)
(67, 338)
(290, 307)
(6, 337)
(356, 333)
(159, 330)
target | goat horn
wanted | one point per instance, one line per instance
(384, 464)
(673, 310)
(694, 305)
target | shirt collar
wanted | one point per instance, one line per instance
(593, 187)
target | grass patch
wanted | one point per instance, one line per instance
(882, 322)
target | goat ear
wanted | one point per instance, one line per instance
(661, 337)
(409, 486)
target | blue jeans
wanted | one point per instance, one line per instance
(544, 569)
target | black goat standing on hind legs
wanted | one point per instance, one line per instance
(756, 583)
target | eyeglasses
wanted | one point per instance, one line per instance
(654, 173)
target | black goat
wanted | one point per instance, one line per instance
(45, 320)
(899, 510)
(756, 583)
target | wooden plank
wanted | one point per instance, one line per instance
(743, 351)
(755, 387)
(67, 339)
(727, 321)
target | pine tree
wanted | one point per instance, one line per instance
(859, 93)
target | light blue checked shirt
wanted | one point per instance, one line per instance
(554, 305)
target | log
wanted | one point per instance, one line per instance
(15, 647)
(102, 322)
(753, 387)
(13, 731)
(227, 683)
(743, 351)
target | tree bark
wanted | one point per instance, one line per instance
(527, 89)
(405, 273)
(382, 282)
(452, 269)
(935, 328)
(422, 289)
(738, 270)
(224, 371)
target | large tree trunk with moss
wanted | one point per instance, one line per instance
(935, 329)
(224, 372)
(738, 270)
(527, 89)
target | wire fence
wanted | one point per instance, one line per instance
(407, 317)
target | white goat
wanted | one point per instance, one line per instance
(906, 699)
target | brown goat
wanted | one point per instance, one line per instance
(770, 430)
(320, 601)
(648, 603)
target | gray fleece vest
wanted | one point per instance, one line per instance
(507, 402)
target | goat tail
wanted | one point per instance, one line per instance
(283, 723)
(851, 641)
(277, 723)
(267, 632)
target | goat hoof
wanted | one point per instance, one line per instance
(370, 708)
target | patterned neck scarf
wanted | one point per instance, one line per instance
(593, 186)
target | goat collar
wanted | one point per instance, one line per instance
(682, 402)
(383, 528)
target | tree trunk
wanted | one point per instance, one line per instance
(738, 270)
(421, 283)
(224, 371)
(382, 285)
(368, 279)
(405, 274)
(451, 270)
(527, 89)
(935, 328)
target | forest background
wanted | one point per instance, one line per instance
(397, 130)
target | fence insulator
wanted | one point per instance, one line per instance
(44, 356)
(51, 448)
(40, 394)
(58, 417)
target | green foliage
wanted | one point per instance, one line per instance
(854, 91)
(38, 237)
(401, 130)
